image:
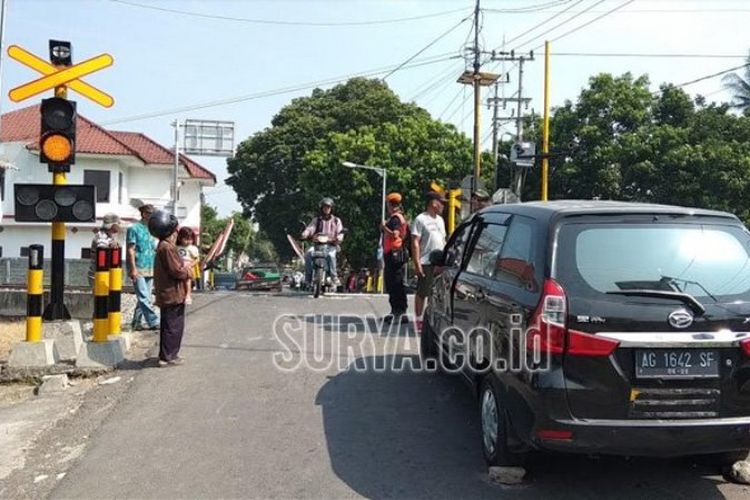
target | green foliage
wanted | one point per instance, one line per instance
(281, 173)
(620, 141)
(740, 88)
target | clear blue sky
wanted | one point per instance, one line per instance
(167, 60)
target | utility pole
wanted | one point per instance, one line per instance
(495, 126)
(520, 101)
(477, 99)
(176, 167)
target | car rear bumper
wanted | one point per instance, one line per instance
(656, 438)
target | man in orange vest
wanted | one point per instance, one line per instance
(396, 255)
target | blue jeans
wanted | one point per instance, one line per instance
(331, 258)
(143, 307)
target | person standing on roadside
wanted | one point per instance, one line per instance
(480, 199)
(396, 256)
(427, 234)
(170, 275)
(141, 250)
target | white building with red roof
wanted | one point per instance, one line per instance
(128, 169)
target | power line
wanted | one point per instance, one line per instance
(450, 77)
(592, 21)
(579, 14)
(530, 8)
(713, 75)
(458, 94)
(275, 92)
(420, 51)
(539, 25)
(287, 23)
(633, 54)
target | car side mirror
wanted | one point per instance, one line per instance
(437, 257)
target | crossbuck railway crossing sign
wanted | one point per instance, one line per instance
(54, 76)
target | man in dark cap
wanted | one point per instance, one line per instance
(480, 199)
(427, 234)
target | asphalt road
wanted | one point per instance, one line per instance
(231, 423)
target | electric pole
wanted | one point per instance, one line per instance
(520, 101)
(477, 99)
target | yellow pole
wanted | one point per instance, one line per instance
(477, 154)
(35, 292)
(101, 296)
(545, 129)
(115, 291)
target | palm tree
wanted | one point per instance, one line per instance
(740, 88)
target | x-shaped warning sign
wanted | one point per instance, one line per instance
(55, 76)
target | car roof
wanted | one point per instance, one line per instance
(547, 210)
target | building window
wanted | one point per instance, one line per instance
(2, 184)
(1, 251)
(100, 179)
(85, 253)
(24, 251)
(119, 188)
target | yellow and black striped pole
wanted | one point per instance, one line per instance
(35, 294)
(115, 291)
(101, 295)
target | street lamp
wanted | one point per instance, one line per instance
(382, 172)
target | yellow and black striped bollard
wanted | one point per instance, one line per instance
(101, 295)
(35, 294)
(115, 291)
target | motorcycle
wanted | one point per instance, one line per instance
(321, 280)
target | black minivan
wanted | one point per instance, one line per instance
(598, 327)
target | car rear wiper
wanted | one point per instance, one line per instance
(674, 281)
(685, 298)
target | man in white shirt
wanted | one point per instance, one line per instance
(427, 234)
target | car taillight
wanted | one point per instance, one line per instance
(549, 334)
(745, 344)
(585, 344)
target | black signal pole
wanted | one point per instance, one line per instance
(60, 55)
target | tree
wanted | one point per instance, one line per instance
(414, 151)
(740, 88)
(265, 171)
(621, 141)
(280, 173)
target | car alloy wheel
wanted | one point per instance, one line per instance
(490, 420)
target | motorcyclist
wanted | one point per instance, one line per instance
(327, 223)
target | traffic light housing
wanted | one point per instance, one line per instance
(51, 203)
(57, 144)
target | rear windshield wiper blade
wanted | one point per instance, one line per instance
(685, 298)
(669, 279)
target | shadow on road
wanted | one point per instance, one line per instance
(416, 435)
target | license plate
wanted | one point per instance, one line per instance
(677, 363)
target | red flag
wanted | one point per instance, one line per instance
(220, 244)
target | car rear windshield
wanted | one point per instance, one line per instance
(699, 259)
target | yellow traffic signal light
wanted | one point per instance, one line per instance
(58, 139)
(56, 148)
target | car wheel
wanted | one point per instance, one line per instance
(428, 350)
(494, 426)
